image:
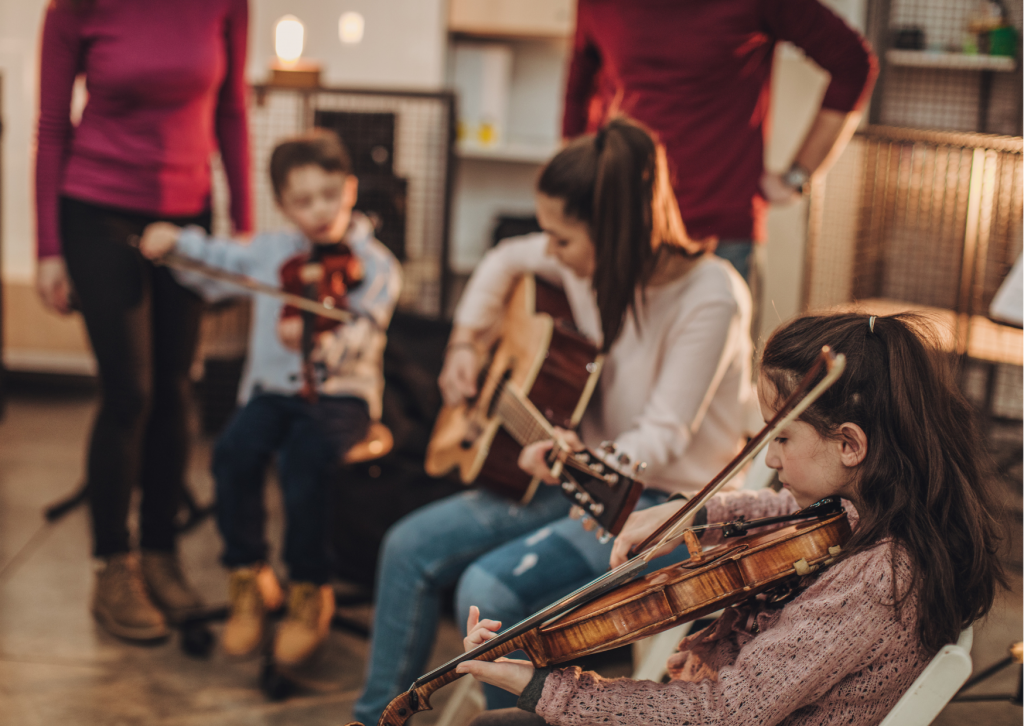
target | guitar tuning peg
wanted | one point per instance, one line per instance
(612, 479)
(567, 486)
(624, 459)
(639, 468)
(608, 447)
(597, 509)
(603, 536)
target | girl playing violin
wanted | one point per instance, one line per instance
(894, 438)
(310, 406)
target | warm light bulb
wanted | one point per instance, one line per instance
(350, 27)
(288, 37)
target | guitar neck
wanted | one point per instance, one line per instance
(520, 417)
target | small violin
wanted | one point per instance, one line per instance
(325, 275)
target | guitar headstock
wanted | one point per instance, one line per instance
(602, 483)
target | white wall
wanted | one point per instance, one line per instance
(403, 44)
(20, 24)
(403, 47)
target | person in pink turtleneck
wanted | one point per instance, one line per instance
(896, 441)
(165, 91)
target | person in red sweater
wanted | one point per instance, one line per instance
(698, 74)
(166, 89)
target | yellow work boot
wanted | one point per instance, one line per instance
(120, 603)
(252, 592)
(310, 610)
(168, 588)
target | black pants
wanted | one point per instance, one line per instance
(143, 327)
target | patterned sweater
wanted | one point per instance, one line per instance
(836, 654)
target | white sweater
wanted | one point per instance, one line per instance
(675, 392)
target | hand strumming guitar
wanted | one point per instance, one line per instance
(461, 367)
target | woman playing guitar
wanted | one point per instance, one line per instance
(893, 438)
(673, 324)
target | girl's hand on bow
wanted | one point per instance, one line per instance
(640, 526)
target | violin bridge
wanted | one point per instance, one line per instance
(693, 545)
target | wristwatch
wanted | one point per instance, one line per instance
(796, 177)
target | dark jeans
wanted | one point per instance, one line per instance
(311, 439)
(142, 325)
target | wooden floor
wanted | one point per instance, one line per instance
(57, 667)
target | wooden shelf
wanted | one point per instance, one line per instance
(951, 61)
(516, 152)
(513, 18)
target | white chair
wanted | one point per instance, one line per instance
(937, 684)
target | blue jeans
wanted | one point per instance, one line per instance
(311, 439)
(512, 561)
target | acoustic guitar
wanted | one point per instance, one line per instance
(542, 373)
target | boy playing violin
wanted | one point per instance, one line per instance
(307, 395)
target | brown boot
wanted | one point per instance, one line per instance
(167, 586)
(310, 610)
(120, 602)
(252, 591)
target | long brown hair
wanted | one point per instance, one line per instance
(617, 182)
(924, 482)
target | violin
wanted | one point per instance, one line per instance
(325, 275)
(622, 607)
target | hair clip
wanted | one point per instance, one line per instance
(871, 323)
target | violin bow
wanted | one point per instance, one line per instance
(188, 264)
(797, 402)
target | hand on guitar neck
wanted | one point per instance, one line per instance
(537, 458)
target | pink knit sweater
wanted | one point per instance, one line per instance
(837, 653)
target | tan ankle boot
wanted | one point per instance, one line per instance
(167, 586)
(252, 591)
(120, 602)
(310, 610)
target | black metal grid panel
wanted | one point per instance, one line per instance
(423, 153)
(943, 98)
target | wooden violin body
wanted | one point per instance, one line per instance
(709, 581)
(325, 276)
(714, 579)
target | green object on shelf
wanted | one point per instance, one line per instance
(1003, 41)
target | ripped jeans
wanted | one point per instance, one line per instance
(509, 560)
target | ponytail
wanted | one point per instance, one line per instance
(617, 182)
(924, 482)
